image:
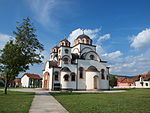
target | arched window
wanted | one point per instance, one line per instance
(56, 76)
(66, 77)
(66, 51)
(102, 73)
(83, 41)
(87, 41)
(81, 72)
(92, 57)
(107, 77)
(59, 51)
(73, 76)
(65, 60)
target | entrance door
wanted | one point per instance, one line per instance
(46, 80)
(95, 82)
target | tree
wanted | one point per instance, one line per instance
(19, 54)
(113, 81)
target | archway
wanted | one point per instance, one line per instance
(96, 82)
(46, 80)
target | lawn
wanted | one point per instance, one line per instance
(132, 101)
(15, 102)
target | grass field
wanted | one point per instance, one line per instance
(132, 101)
(15, 102)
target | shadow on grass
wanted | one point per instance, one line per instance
(85, 93)
(16, 93)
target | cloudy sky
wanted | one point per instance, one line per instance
(119, 28)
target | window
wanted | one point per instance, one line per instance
(81, 72)
(72, 76)
(92, 57)
(141, 83)
(102, 74)
(107, 77)
(83, 40)
(87, 41)
(65, 60)
(59, 51)
(146, 84)
(66, 77)
(66, 51)
(56, 76)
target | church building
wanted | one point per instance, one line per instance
(77, 67)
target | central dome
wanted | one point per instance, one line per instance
(83, 36)
(83, 39)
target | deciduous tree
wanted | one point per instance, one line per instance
(20, 53)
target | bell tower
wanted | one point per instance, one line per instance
(64, 52)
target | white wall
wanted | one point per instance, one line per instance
(138, 84)
(90, 80)
(25, 81)
(67, 84)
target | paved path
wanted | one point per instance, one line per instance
(43, 102)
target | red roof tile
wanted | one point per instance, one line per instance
(17, 80)
(125, 80)
(34, 76)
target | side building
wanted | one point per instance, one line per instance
(31, 80)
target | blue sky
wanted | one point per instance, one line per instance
(119, 28)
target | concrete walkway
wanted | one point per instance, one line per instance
(43, 102)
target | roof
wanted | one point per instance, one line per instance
(56, 46)
(17, 80)
(2, 78)
(74, 56)
(53, 64)
(33, 76)
(64, 40)
(145, 76)
(83, 36)
(65, 69)
(125, 80)
(92, 68)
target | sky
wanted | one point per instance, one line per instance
(119, 28)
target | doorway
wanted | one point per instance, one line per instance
(95, 82)
(46, 80)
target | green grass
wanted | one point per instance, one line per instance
(132, 101)
(15, 102)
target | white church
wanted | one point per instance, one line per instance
(75, 68)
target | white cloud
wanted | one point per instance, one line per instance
(92, 33)
(3, 39)
(104, 37)
(131, 65)
(43, 10)
(113, 55)
(141, 40)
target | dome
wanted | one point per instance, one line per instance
(65, 42)
(65, 69)
(55, 47)
(83, 36)
(83, 39)
(92, 68)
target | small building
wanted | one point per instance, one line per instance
(124, 82)
(16, 82)
(142, 81)
(31, 80)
